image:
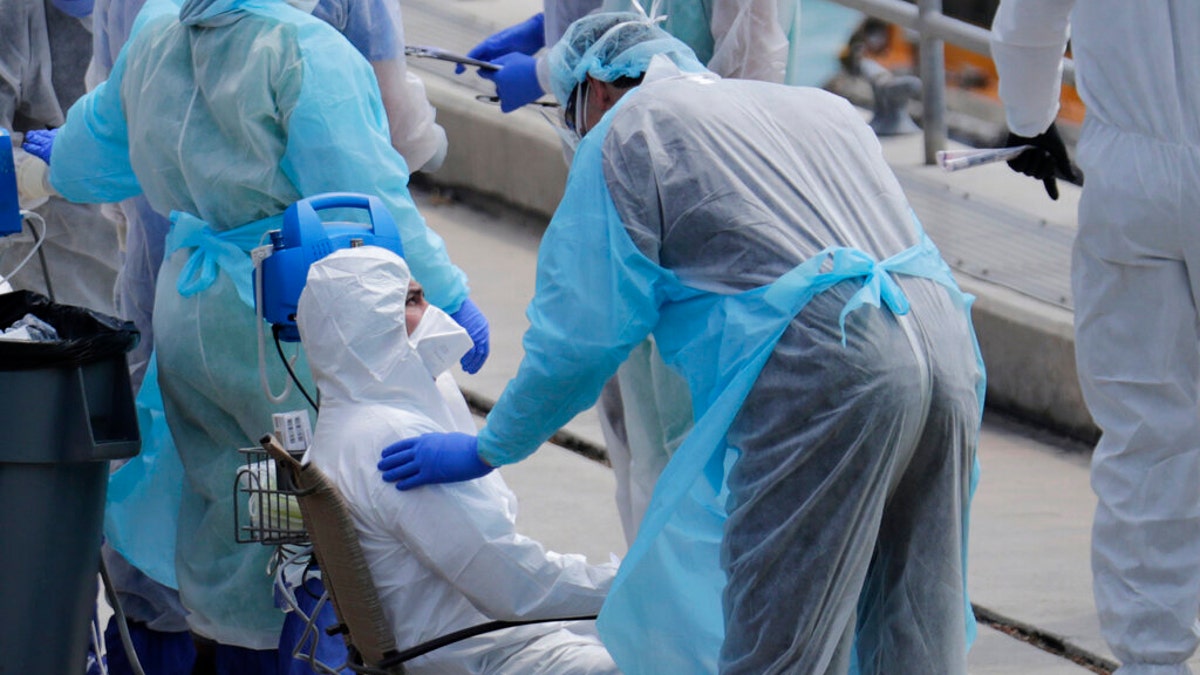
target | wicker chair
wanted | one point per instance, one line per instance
(347, 577)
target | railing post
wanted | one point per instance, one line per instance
(933, 80)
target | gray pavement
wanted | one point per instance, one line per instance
(1010, 247)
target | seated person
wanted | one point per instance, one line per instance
(446, 557)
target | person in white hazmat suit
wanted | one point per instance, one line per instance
(814, 520)
(446, 557)
(279, 108)
(1135, 275)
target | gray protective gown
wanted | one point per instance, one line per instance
(43, 56)
(847, 475)
(849, 463)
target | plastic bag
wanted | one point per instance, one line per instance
(85, 336)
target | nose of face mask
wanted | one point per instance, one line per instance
(439, 341)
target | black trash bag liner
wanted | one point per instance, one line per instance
(84, 336)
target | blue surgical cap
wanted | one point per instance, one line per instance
(76, 8)
(609, 46)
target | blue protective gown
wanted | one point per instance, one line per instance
(227, 116)
(756, 231)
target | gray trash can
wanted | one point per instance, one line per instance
(66, 408)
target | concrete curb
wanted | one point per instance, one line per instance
(1027, 345)
(515, 158)
(1029, 351)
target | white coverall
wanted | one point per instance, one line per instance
(1136, 277)
(443, 557)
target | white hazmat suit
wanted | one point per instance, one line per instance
(444, 557)
(1136, 279)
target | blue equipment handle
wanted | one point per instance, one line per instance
(301, 224)
(304, 239)
(349, 200)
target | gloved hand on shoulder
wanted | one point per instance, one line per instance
(39, 143)
(432, 458)
(526, 38)
(1045, 160)
(516, 81)
(469, 317)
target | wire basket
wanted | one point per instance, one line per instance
(265, 508)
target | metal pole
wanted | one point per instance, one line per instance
(933, 80)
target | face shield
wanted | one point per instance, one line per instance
(575, 111)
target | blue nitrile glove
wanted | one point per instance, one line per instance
(516, 81)
(526, 37)
(1046, 159)
(39, 143)
(469, 317)
(432, 458)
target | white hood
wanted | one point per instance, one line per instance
(351, 322)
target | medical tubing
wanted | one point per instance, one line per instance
(285, 593)
(956, 160)
(459, 635)
(288, 364)
(97, 641)
(37, 245)
(262, 344)
(119, 615)
(46, 273)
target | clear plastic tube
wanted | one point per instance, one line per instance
(956, 160)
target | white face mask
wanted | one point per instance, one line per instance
(439, 341)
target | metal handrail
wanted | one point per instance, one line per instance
(934, 28)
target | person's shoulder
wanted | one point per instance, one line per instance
(329, 54)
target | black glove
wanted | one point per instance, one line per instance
(1045, 160)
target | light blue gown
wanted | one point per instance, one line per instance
(227, 117)
(756, 231)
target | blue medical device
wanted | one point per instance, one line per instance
(305, 239)
(10, 207)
